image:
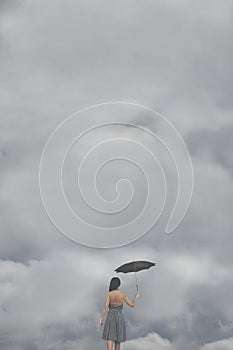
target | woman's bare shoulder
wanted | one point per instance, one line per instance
(122, 292)
(117, 291)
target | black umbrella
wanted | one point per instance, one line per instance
(135, 266)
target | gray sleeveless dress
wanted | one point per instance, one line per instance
(114, 327)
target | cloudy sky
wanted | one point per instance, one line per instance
(58, 57)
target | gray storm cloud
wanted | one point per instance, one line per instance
(58, 57)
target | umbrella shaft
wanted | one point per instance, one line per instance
(136, 280)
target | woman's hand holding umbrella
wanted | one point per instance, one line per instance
(137, 295)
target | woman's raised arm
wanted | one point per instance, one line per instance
(133, 303)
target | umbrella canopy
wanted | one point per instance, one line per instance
(135, 266)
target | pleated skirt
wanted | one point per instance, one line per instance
(114, 326)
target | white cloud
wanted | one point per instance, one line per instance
(149, 342)
(174, 56)
(225, 344)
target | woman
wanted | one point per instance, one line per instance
(114, 327)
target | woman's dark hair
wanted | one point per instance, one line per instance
(114, 283)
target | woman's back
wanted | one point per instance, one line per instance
(116, 297)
